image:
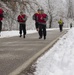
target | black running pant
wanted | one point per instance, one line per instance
(37, 25)
(61, 27)
(42, 30)
(22, 27)
(0, 26)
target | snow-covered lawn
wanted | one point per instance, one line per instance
(59, 60)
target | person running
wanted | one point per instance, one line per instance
(1, 18)
(70, 25)
(22, 24)
(42, 24)
(61, 24)
(35, 17)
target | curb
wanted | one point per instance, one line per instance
(32, 59)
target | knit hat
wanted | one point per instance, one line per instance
(42, 10)
(38, 10)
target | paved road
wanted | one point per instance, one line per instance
(15, 51)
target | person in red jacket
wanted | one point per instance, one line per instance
(1, 18)
(42, 24)
(22, 24)
(35, 17)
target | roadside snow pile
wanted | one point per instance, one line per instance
(59, 60)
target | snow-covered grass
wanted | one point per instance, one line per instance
(59, 60)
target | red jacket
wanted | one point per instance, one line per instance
(1, 14)
(43, 18)
(1, 11)
(35, 17)
(22, 18)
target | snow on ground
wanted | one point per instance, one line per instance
(59, 60)
(6, 34)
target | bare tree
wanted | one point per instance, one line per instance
(70, 10)
(50, 13)
(25, 5)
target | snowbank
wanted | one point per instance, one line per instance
(59, 60)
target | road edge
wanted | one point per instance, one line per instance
(32, 59)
